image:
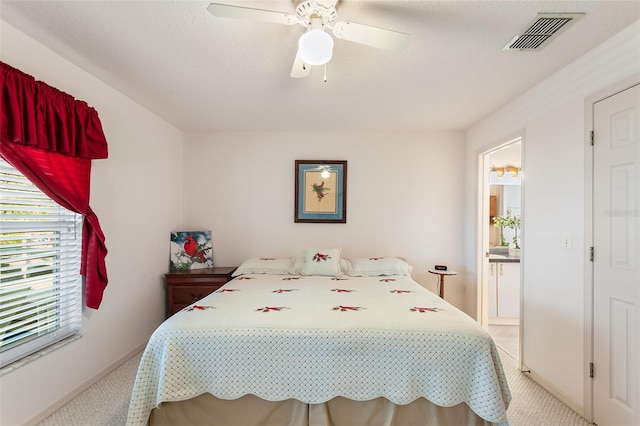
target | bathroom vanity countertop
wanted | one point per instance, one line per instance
(493, 258)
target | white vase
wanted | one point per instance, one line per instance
(515, 252)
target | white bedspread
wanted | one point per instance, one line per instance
(315, 338)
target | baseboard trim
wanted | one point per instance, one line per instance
(40, 417)
(557, 393)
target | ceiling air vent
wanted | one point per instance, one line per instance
(541, 30)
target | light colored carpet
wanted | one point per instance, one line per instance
(530, 404)
(104, 403)
(107, 402)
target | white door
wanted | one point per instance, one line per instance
(616, 286)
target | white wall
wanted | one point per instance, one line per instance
(552, 115)
(137, 195)
(403, 196)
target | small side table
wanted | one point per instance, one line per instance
(441, 279)
(186, 287)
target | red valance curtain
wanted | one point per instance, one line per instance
(51, 138)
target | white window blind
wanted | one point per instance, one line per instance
(40, 282)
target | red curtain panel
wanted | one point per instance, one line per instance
(51, 138)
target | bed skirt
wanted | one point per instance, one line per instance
(251, 410)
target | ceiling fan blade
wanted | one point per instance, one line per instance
(371, 36)
(228, 11)
(299, 69)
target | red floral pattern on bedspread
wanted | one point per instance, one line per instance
(343, 308)
(423, 310)
(272, 309)
(198, 308)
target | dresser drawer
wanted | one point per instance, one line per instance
(187, 287)
(197, 280)
(187, 294)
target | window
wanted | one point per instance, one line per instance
(40, 282)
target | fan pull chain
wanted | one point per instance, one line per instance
(325, 73)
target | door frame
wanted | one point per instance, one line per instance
(482, 239)
(589, 284)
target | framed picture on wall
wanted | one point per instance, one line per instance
(190, 250)
(320, 191)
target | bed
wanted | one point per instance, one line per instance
(300, 341)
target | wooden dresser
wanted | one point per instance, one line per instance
(186, 287)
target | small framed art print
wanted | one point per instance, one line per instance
(190, 250)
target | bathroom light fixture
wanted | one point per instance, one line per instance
(316, 46)
(499, 171)
(513, 170)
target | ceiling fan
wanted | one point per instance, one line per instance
(315, 46)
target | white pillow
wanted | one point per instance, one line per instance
(322, 262)
(298, 264)
(265, 265)
(376, 266)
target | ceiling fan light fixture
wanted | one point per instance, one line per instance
(316, 47)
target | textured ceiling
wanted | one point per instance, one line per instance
(204, 73)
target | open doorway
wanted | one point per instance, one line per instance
(501, 230)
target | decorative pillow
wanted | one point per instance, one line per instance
(298, 263)
(265, 265)
(375, 266)
(322, 262)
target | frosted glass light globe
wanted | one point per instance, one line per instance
(316, 47)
